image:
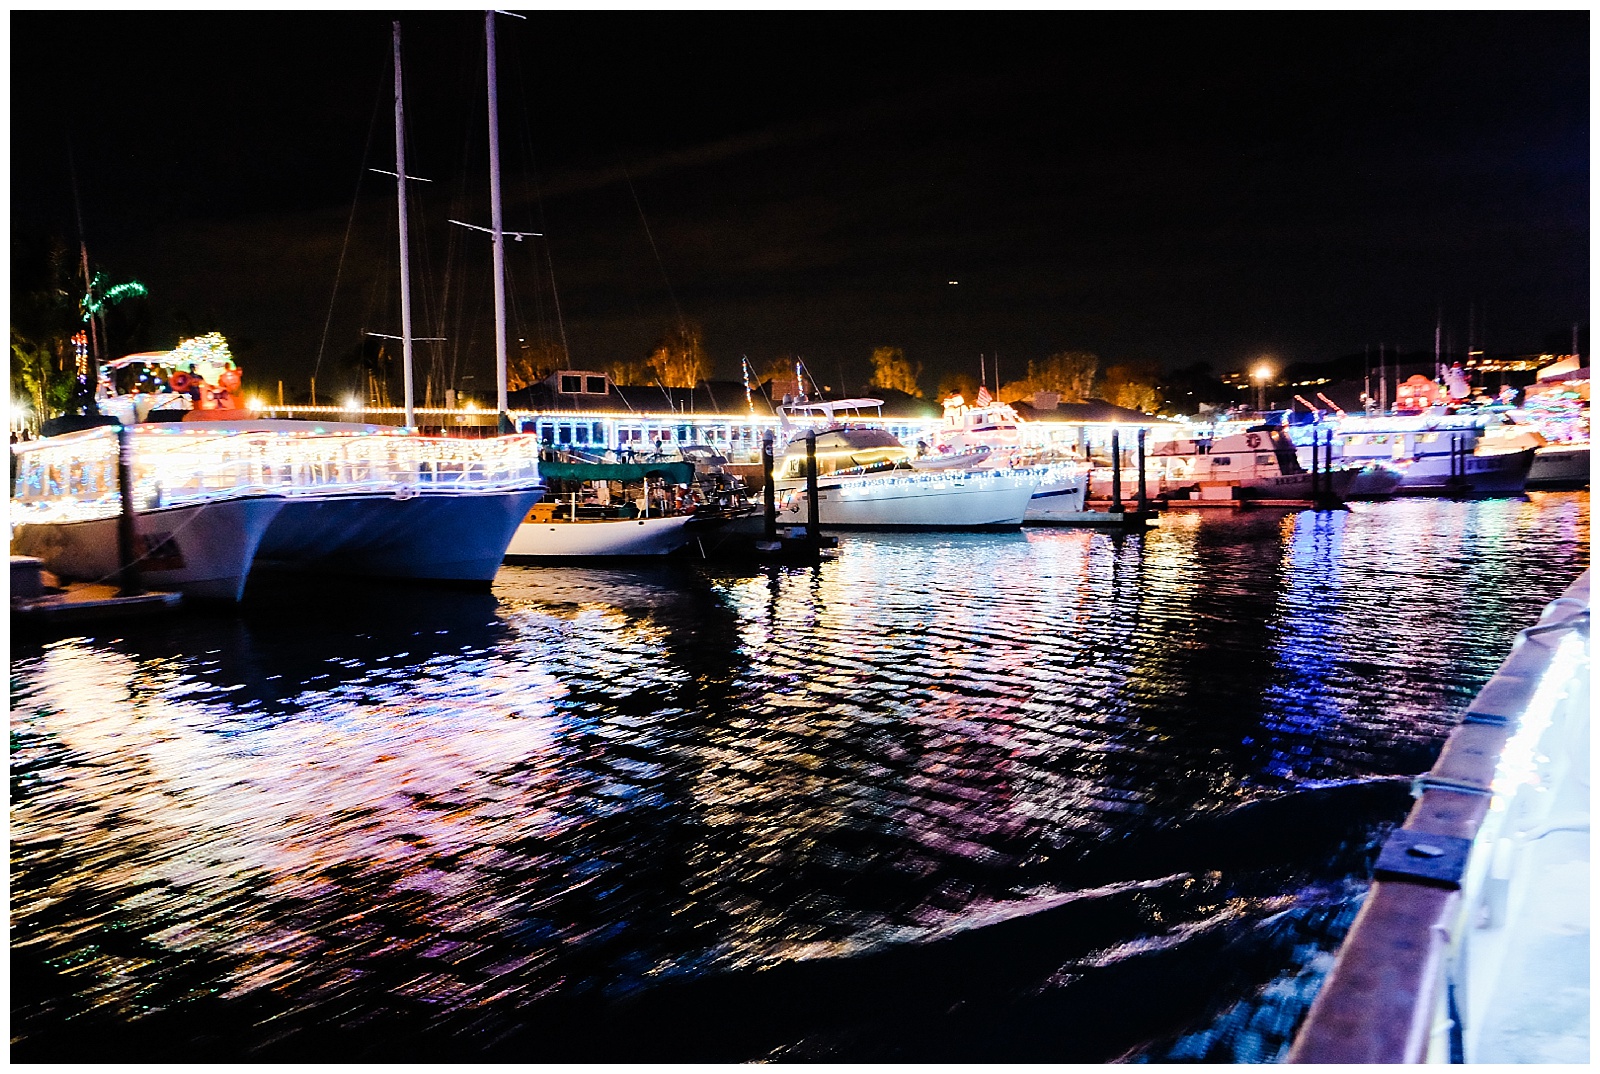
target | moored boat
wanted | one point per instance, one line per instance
(1260, 463)
(1437, 454)
(1557, 466)
(994, 436)
(609, 511)
(866, 480)
(380, 502)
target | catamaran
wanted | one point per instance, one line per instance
(214, 500)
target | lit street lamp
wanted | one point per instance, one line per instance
(1261, 374)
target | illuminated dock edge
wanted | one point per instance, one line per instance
(1440, 952)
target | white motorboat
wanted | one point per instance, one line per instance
(1258, 463)
(647, 515)
(866, 480)
(1558, 466)
(200, 539)
(1437, 454)
(1556, 463)
(994, 436)
(544, 536)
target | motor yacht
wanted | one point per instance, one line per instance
(866, 479)
(1437, 454)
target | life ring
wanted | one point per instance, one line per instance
(181, 382)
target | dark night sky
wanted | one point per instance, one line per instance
(1161, 186)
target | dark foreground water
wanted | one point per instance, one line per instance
(1048, 796)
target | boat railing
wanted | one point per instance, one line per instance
(1415, 979)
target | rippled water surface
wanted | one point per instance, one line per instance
(1045, 796)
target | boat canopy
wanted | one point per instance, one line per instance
(678, 473)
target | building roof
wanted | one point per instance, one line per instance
(709, 398)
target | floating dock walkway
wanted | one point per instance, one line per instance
(1473, 944)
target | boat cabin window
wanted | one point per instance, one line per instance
(547, 433)
(1221, 460)
(583, 433)
(563, 434)
(571, 384)
(599, 433)
(594, 385)
(1263, 460)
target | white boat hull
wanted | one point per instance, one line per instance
(1560, 466)
(611, 537)
(936, 500)
(430, 536)
(204, 551)
(1060, 494)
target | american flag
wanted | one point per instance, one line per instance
(984, 398)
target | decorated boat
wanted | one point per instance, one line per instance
(1437, 454)
(197, 535)
(992, 435)
(866, 479)
(1257, 463)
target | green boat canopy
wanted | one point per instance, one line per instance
(677, 473)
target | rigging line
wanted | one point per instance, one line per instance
(366, 155)
(538, 201)
(676, 309)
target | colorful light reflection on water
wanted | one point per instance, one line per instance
(946, 797)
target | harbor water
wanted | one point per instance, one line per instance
(1044, 796)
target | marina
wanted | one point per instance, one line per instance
(725, 567)
(944, 797)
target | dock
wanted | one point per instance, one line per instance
(1473, 943)
(1102, 517)
(35, 603)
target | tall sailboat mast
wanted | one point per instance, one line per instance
(405, 244)
(495, 228)
(497, 234)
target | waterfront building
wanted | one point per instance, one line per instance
(586, 411)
